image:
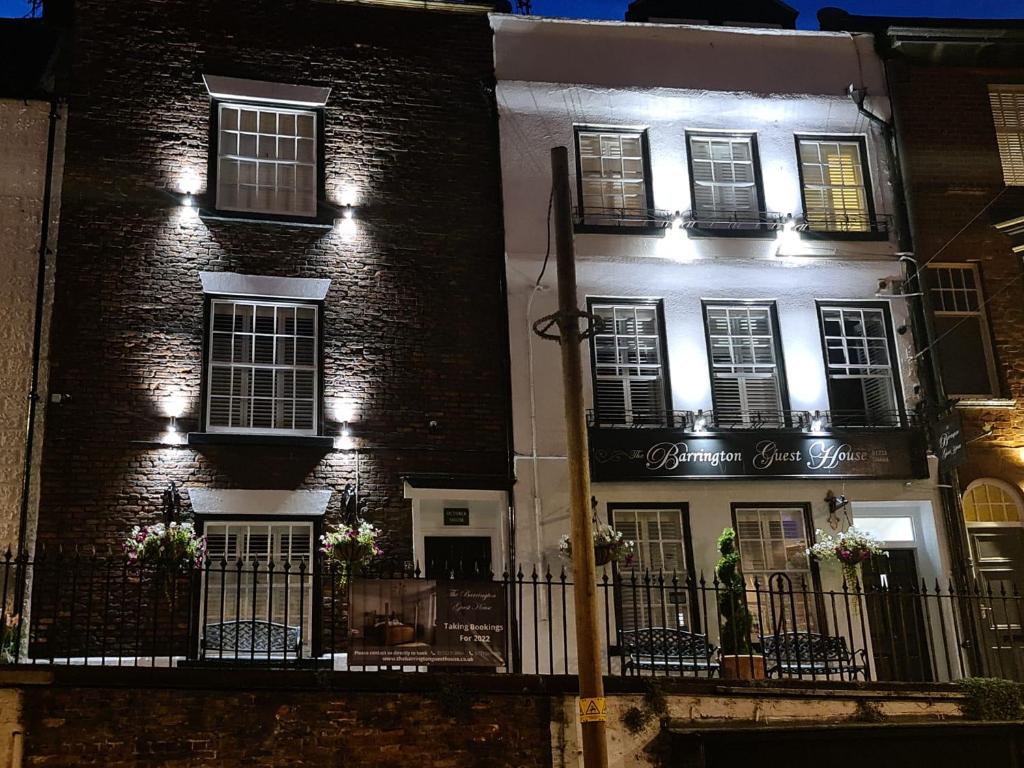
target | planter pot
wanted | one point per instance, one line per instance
(743, 667)
(602, 554)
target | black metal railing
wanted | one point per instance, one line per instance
(733, 220)
(756, 419)
(641, 218)
(105, 611)
(827, 223)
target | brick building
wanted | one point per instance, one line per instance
(957, 88)
(280, 273)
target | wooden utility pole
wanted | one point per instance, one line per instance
(588, 651)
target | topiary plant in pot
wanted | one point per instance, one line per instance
(739, 662)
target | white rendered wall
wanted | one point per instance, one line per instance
(553, 75)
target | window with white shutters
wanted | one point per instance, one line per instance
(961, 329)
(251, 594)
(1008, 116)
(628, 361)
(835, 188)
(660, 538)
(724, 178)
(774, 540)
(266, 160)
(859, 365)
(745, 371)
(613, 177)
(262, 374)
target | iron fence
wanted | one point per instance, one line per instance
(106, 611)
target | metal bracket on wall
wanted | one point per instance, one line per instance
(542, 326)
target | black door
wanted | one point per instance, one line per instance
(457, 557)
(898, 640)
(998, 563)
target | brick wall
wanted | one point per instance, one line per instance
(413, 322)
(956, 193)
(164, 727)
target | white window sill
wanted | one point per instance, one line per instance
(986, 402)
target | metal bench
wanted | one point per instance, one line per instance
(251, 638)
(667, 649)
(810, 653)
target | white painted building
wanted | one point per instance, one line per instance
(734, 228)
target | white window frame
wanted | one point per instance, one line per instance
(658, 371)
(627, 188)
(720, 213)
(252, 366)
(955, 302)
(304, 580)
(1007, 103)
(277, 165)
(679, 616)
(841, 371)
(832, 218)
(744, 371)
(803, 577)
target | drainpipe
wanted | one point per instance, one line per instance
(37, 330)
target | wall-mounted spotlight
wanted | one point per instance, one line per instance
(788, 239)
(343, 440)
(348, 212)
(173, 407)
(677, 220)
(817, 422)
(700, 422)
(171, 435)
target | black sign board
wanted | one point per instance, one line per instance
(456, 516)
(948, 442)
(424, 622)
(649, 454)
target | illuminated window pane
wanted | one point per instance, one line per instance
(262, 367)
(835, 192)
(612, 176)
(266, 160)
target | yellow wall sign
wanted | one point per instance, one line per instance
(593, 710)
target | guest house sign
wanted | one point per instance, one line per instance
(641, 454)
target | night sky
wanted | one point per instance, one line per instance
(991, 9)
(615, 9)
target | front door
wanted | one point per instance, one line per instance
(998, 553)
(899, 641)
(457, 557)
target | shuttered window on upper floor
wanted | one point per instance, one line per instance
(835, 190)
(745, 370)
(724, 178)
(613, 176)
(628, 359)
(263, 367)
(1008, 116)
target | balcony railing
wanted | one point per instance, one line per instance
(722, 219)
(107, 612)
(768, 419)
(845, 224)
(642, 219)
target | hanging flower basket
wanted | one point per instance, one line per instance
(849, 548)
(609, 545)
(603, 554)
(351, 547)
(175, 547)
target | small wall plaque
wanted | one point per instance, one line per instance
(456, 516)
